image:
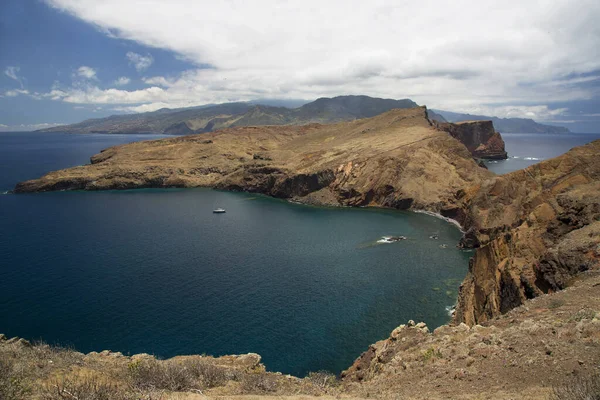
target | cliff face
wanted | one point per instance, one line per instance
(396, 159)
(480, 137)
(534, 229)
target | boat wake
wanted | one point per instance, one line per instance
(527, 158)
(391, 239)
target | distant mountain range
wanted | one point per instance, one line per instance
(208, 118)
(183, 121)
(503, 125)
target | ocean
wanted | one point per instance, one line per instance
(525, 149)
(155, 271)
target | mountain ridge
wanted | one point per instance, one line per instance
(503, 125)
(203, 119)
(209, 117)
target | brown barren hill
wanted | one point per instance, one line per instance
(396, 159)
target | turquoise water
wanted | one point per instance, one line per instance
(156, 271)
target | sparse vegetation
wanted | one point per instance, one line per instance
(431, 353)
(584, 313)
(85, 389)
(183, 375)
(555, 303)
(323, 379)
(12, 385)
(259, 383)
(581, 388)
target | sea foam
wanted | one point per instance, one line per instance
(440, 216)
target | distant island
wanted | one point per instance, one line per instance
(207, 118)
(503, 125)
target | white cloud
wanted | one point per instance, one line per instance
(537, 112)
(140, 62)
(122, 81)
(15, 92)
(27, 127)
(12, 73)
(86, 72)
(158, 81)
(449, 55)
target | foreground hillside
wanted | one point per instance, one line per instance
(396, 159)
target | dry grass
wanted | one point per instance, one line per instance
(178, 375)
(581, 388)
(85, 389)
(12, 383)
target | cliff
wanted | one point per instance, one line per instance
(480, 137)
(396, 159)
(534, 229)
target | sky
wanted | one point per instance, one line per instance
(63, 61)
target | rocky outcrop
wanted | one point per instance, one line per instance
(522, 354)
(535, 229)
(397, 159)
(480, 137)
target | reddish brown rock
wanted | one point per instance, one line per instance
(480, 137)
(534, 229)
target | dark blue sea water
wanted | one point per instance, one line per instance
(525, 149)
(156, 271)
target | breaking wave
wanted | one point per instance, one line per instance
(440, 216)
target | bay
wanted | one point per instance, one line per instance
(155, 271)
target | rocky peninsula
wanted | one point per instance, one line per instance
(534, 231)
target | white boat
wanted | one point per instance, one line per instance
(219, 210)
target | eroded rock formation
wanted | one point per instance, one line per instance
(480, 137)
(534, 229)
